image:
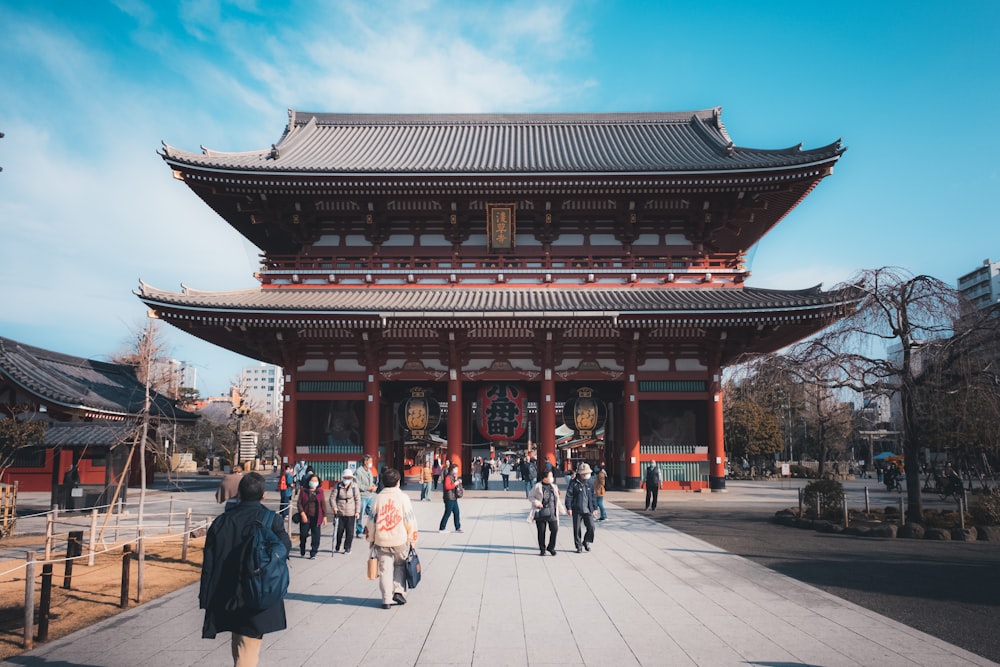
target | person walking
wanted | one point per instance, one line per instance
(391, 529)
(312, 515)
(652, 483)
(286, 482)
(477, 472)
(581, 505)
(452, 492)
(505, 469)
(529, 474)
(436, 471)
(426, 478)
(546, 508)
(485, 473)
(600, 488)
(364, 477)
(345, 501)
(220, 575)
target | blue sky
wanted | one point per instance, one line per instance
(89, 90)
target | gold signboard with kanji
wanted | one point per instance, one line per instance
(500, 227)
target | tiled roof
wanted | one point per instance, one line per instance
(464, 302)
(81, 384)
(459, 144)
(88, 434)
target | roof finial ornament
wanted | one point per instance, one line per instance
(273, 155)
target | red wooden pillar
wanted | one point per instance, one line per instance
(630, 429)
(547, 420)
(289, 419)
(716, 438)
(372, 404)
(455, 419)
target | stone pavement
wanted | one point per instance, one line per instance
(645, 595)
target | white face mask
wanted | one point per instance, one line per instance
(346, 482)
(313, 485)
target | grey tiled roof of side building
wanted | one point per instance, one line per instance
(86, 434)
(79, 383)
(457, 144)
(462, 301)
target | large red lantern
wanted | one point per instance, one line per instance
(419, 414)
(584, 413)
(502, 411)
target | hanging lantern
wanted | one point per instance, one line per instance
(502, 411)
(419, 414)
(584, 414)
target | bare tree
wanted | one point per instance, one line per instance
(18, 431)
(896, 309)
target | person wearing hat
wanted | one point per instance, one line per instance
(345, 501)
(581, 504)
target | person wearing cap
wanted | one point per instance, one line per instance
(345, 501)
(581, 504)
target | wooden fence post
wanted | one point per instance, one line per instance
(93, 536)
(170, 516)
(50, 522)
(187, 535)
(126, 557)
(29, 600)
(74, 547)
(45, 602)
(141, 544)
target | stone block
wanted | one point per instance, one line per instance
(937, 534)
(912, 531)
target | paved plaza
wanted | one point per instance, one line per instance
(645, 595)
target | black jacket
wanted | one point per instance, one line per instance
(580, 496)
(220, 568)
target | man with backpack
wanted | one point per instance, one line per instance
(235, 600)
(529, 474)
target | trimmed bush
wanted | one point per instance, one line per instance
(986, 510)
(830, 493)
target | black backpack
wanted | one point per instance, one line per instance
(263, 578)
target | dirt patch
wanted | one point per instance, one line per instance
(96, 591)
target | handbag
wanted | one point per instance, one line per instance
(296, 518)
(459, 491)
(412, 569)
(372, 573)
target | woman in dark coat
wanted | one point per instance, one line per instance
(311, 515)
(221, 566)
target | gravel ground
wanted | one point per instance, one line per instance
(950, 590)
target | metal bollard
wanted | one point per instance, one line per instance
(961, 512)
(868, 504)
(846, 517)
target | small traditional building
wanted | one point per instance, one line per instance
(91, 410)
(488, 277)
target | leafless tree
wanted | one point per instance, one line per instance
(897, 309)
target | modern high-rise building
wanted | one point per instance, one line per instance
(261, 388)
(981, 287)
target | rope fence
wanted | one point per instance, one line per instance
(82, 538)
